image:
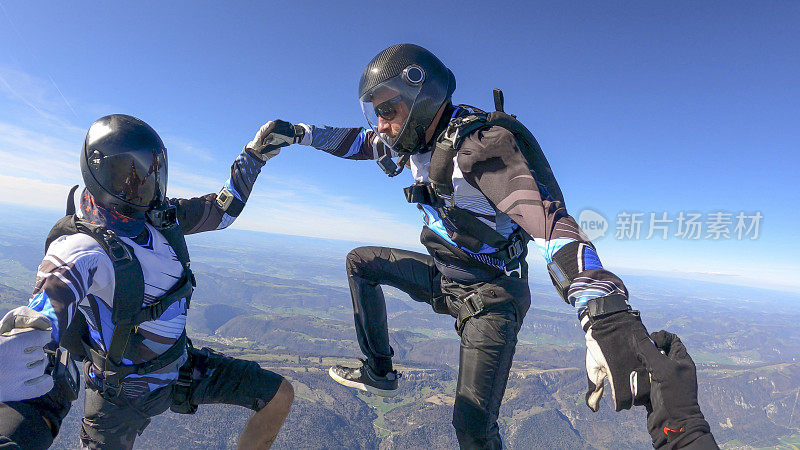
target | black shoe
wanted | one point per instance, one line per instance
(366, 379)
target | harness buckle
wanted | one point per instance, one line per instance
(182, 389)
(474, 304)
(110, 390)
(515, 249)
(156, 310)
(513, 273)
(117, 251)
(447, 200)
(459, 122)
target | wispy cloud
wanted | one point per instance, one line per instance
(187, 150)
(303, 208)
(41, 96)
(32, 192)
(40, 149)
(770, 276)
(48, 156)
(304, 212)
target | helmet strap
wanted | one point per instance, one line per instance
(389, 167)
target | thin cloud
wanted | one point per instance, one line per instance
(29, 50)
(31, 192)
(40, 154)
(31, 153)
(277, 206)
(42, 96)
(187, 150)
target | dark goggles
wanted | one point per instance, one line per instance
(386, 110)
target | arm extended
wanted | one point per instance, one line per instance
(349, 143)
(217, 211)
(492, 162)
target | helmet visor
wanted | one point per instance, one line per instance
(137, 177)
(388, 107)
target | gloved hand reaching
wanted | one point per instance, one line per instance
(23, 335)
(674, 419)
(272, 136)
(611, 355)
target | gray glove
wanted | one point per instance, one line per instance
(23, 335)
(272, 136)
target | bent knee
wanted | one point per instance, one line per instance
(359, 259)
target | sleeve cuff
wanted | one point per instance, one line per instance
(252, 157)
(308, 137)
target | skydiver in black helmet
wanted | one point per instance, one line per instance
(114, 288)
(484, 189)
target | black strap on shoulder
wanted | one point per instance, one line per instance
(176, 239)
(441, 168)
(185, 286)
(128, 295)
(127, 310)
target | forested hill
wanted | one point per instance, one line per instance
(283, 301)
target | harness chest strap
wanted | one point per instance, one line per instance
(183, 289)
(127, 316)
(470, 232)
(114, 373)
(127, 311)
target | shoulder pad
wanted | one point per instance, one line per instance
(65, 226)
(483, 144)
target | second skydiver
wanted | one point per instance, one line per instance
(481, 202)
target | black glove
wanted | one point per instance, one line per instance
(22, 425)
(611, 353)
(674, 419)
(272, 136)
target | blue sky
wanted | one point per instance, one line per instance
(640, 107)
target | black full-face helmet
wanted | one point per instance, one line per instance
(409, 74)
(124, 165)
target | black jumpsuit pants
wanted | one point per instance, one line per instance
(488, 338)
